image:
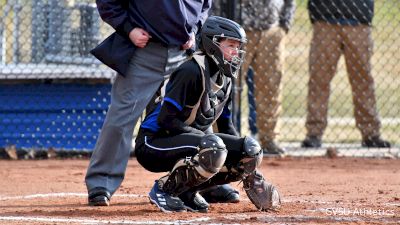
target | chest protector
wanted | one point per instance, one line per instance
(212, 99)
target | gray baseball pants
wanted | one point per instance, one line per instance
(149, 67)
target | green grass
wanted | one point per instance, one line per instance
(386, 71)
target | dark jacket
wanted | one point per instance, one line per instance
(344, 12)
(258, 14)
(264, 14)
(168, 22)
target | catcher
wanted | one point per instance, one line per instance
(177, 137)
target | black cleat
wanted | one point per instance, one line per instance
(221, 194)
(272, 149)
(194, 202)
(99, 197)
(311, 142)
(375, 142)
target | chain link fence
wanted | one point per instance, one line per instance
(54, 94)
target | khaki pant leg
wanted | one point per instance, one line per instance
(358, 51)
(324, 55)
(251, 48)
(268, 69)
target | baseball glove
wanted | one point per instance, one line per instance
(261, 193)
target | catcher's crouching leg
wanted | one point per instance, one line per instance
(261, 193)
(191, 172)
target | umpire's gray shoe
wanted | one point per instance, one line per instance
(164, 201)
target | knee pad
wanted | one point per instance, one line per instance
(212, 155)
(252, 156)
(191, 172)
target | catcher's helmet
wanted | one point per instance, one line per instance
(213, 31)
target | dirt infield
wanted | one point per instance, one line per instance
(314, 190)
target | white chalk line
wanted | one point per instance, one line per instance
(65, 195)
(267, 218)
(62, 194)
(92, 221)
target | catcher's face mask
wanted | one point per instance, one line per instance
(231, 54)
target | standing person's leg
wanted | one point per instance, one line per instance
(252, 103)
(325, 51)
(358, 51)
(268, 68)
(253, 37)
(129, 97)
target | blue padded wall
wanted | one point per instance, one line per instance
(62, 116)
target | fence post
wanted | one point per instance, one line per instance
(89, 27)
(231, 13)
(56, 19)
(2, 46)
(16, 32)
(39, 30)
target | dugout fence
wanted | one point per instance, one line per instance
(54, 94)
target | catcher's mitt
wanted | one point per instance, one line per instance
(261, 193)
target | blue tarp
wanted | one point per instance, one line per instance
(61, 116)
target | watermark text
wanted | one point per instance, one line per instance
(342, 211)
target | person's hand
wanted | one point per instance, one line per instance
(284, 25)
(139, 37)
(189, 43)
(285, 29)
